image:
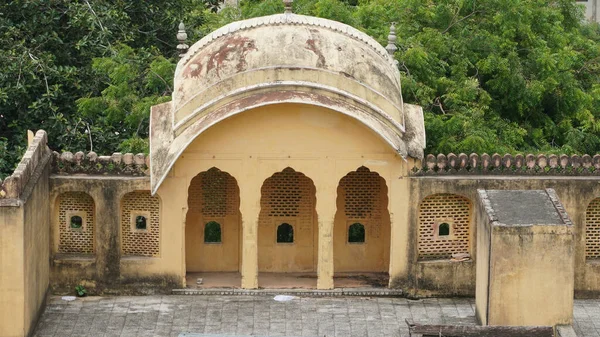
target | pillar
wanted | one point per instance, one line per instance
(250, 186)
(400, 207)
(326, 208)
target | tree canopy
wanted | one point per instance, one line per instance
(492, 76)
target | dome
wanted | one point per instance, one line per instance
(287, 50)
(282, 58)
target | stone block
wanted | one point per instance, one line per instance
(525, 259)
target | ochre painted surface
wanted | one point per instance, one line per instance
(212, 196)
(531, 276)
(12, 264)
(362, 198)
(287, 197)
(322, 145)
(24, 250)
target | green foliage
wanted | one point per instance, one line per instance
(80, 291)
(492, 76)
(53, 53)
(134, 145)
(135, 80)
(9, 158)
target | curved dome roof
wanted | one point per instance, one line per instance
(307, 50)
(275, 59)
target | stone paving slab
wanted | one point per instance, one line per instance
(260, 315)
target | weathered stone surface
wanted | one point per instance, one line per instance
(510, 165)
(91, 163)
(37, 154)
(513, 207)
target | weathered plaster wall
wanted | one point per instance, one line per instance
(531, 276)
(322, 144)
(36, 239)
(24, 241)
(12, 283)
(107, 270)
(574, 192)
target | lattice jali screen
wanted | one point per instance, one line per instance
(362, 193)
(448, 207)
(75, 240)
(592, 230)
(214, 193)
(140, 242)
(288, 194)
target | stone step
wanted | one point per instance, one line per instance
(382, 292)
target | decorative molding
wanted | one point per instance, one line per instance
(540, 165)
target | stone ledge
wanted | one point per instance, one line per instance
(382, 292)
(534, 165)
(37, 153)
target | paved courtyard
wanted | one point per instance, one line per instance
(261, 315)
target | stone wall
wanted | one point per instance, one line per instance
(576, 180)
(111, 266)
(24, 240)
(444, 277)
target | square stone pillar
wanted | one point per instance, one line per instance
(250, 209)
(525, 259)
(326, 208)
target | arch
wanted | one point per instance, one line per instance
(362, 203)
(285, 233)
(287, 214)
(212, 232)
(76, 222)
(140, 224)
(444, 229)
(76, 237)
(444, 226)
(163, 157)
(592, 230)
(356, 233)
(213, 208)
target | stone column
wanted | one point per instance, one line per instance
(399, 205)
(326, 208)
(250, 209)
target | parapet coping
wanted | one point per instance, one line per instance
(85, 176)
(529, 165)
(17, 185)
(504, 177)
(380, 292)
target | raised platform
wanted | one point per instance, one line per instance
(380, 292)
(218, 282)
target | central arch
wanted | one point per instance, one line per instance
(361, 237)
(212, 227)
(287, 225)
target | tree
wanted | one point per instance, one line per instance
(47, 53)
(492, 76)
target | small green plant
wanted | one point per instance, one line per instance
(80, 290)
